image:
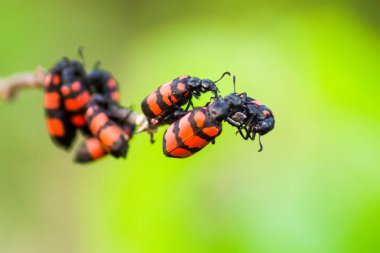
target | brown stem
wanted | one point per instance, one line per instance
(29, 80)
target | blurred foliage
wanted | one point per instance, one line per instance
(314, 188)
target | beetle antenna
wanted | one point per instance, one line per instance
(97, 64)
(234, 82)
(81, 55)
(261, 145)
(225, 73)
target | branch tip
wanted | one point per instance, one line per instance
(9, 86)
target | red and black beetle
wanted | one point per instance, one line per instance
(197, 128)
(161, 104)
(164, 104)
(59, 120)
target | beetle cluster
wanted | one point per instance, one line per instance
(88, 102)
(191, 130)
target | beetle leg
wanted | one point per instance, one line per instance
(189, 104)
(244, 135)
(179, 113)
(252, 135)
(233, 122)
(151, 137)
(252, 132)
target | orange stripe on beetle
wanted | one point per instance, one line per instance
(170, 140)
(152, 103)
(115, 95)
(196, 142)
(166, 93)
(256, 103)
(181, 86)
(111, 83)
(266, 113)
(76, 86)
(83, 98)
(55, 127)
(65, 90)
(180, 152)
(56, 79)
(97, 122)
(172, 98)
(185, 130)
(52, 100)
(95, 148)
(211, 131)
(110, 135)
(199, 118)
(73, 104)
(78, 120)
(89, 112)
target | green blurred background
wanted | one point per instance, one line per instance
(314, 188)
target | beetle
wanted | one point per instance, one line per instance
(109, 131)
(198, 128)
(92, 149)
(161, 104)
(252, 118)
(257, 118)
(60, 126)
(75, 100)
(77, 89)
(102, 82)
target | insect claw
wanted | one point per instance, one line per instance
(142, 122)
(142, 128)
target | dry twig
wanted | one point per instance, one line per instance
(30, 80)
